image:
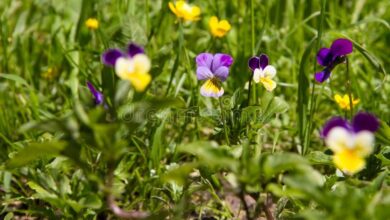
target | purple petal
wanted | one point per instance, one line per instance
(221, 59)
(322, 76)
(263, 61)
(254, 63)
(99, 98)
(332, 123)
(365, 122)
(110, 56)
(204, 59)
(134, 49)
(203, 72)
(341, 47)
(222, 73)
(324, 56)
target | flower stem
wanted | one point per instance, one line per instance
(349, 89)
(253, 49)
(224, 122)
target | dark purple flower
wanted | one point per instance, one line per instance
(259, 62)
(331, 57)
(110, 56)
(361, 122)
(98, 96)
(215, 70)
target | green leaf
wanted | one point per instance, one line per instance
(280, 162)
(180, 174)
(210, 154)
(318, 157)
(91, 201)
(383, 134)
(35, 151)
(15, 78)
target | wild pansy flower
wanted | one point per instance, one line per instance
(343, 101)
(214, 69)
(98, 96)
(183, 10)
(132, 65)
(262, 72)
(92, 23)
(331, 57)
(219, 28)
(351, 142)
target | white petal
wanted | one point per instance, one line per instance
(141, 63)
(123, 67)
(364, 141)
(257, 75)
(269, 71)
(338, 139)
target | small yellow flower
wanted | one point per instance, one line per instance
(219, 28)
(183, 10)
(343, 102)
(92, 23)
(49, 74)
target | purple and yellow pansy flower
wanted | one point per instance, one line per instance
(132, 65)
(351, 142)
(331, 57)
(262, 72)
(214, 69)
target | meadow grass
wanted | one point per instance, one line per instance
(169, 152)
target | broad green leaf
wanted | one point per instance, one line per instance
(91, 201)
(280, 162)
(35, 151)
(210, 154)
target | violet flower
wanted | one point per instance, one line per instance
(214, 69)
(331, 57)
(98, 96)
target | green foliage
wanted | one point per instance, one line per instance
(168, 152)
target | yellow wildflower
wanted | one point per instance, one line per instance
(343, 102)
(49, 74)
(219, 28)
(183, 10)
(92, 23)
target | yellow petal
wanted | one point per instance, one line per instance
(224, 25)
(338, 98)
(268, 83)
(140, 81)
(195, 12)
(172, 7)
(211, 89)
(349, 161)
